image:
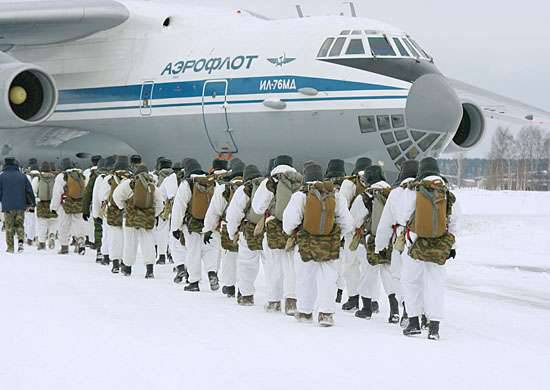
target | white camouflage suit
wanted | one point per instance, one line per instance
(116, 234)
(352, 268)
(278, 264)
(90, 224)
(248, 260)
(68, 224)
(134, 238)
(423, 283)
(197, 252)
(44, 226)
(212, 223)
(97, 212)
(168, 189)
(315, 281)
(369, 283)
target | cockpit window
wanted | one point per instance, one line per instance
(355, 47)
(324, 49)
(381, 47)
(356, 32)
(400, 47)
(337, 47)
(411, 48)
(345, 32)
(419, 48)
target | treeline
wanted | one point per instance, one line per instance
(519, 163)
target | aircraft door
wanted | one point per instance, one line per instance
(216, 117)
(146, 98)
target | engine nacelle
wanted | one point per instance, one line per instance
(28, 95)
(470, 131)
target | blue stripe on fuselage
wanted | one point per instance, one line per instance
(193, 89)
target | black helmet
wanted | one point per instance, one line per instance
(165, 163)
(373, 175)
(251, 172)
(336, 168)
(135, 159)
(66, 164)
(178, 166)
(361, 164)
(313, 172)
(110, 162)
(95, 159)
(192, 167)
(283, 160)
(237, 168)
(122, 163)
(10, 161)
(45, 167)
(220, 165)
(428, 167)
(409, 169)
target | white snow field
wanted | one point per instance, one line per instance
(67, 323)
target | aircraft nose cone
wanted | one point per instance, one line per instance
(433, 105)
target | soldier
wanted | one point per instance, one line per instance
(90, 174)
(215, 220)
(142, 203)
(16, 196)
(46, 219)
(366, 211)
(270, 200)
(430, 242)
(98, 209)
(66, 200)
(351, 265)
(318, 217)
(241, 225)
(96, 223)
(190, 207)
(167, 183)
(177, 252)
(113, 213)
(392, 227)
(336, 172)
(30, 214)
(135, 160)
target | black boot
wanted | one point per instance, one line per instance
(116, 267)
(161, 260)
(394, 309)
(366, 312)
(20, 246)
(193, 287)
(405, 317)
(149, 274)
(375, 307)
(424, 323)
(229, 291)
(181, 275)
(434, 330)
(126, 269)
(214, 281)
(98, 257)
(339, 296)
(106, 260)
(351, 304)
(413, 328)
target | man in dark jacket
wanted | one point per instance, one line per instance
(16, 196)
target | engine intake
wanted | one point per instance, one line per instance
(28, 95)
(471, 128)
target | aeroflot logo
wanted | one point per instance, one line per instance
(209, 65)
(282, 60)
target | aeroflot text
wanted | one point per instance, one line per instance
(208, 65)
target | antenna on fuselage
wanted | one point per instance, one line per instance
(299, 10)
(352, 8)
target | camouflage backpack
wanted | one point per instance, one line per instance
(202, 192)
(253, 220)
(375, 201)
(45, 187)
(288, 183)
(74, 185)
(250, 189)
(434, 203)
(144, 191)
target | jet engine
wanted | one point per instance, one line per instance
(28, 95)
(471, 129)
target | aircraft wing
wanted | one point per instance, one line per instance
(495, 106)
(55, 21)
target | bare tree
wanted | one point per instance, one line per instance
(503, 148)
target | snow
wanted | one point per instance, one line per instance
(68, 323)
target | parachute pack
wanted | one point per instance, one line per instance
(144, 192)
(203, 190)
(375, 201)
(319, 211)
(250, 189)
(75, 184)
(288, 183)
(45, 187)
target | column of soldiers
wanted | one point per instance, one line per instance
(319, 235)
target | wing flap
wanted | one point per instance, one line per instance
(55, 21)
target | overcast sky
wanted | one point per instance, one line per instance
(497, 45)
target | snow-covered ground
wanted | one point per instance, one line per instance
(67, 323)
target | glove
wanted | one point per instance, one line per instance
(207, 238)
(86, 217)
(452, 254)
(177, 234)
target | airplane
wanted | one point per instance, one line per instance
(162, 78)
